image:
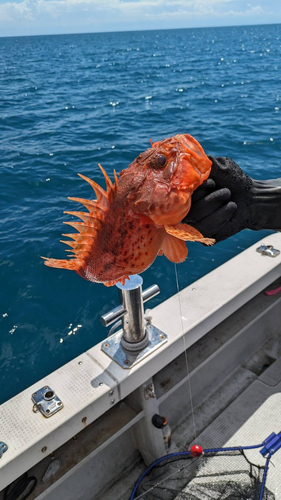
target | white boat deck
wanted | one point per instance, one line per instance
(247, 420)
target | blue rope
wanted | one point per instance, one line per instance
(264, 476)
(233, 448)
(158, 461)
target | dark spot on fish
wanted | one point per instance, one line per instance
(145, 253)
(147, 226)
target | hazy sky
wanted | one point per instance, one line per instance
(35, 17)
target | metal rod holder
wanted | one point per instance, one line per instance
(136, 339)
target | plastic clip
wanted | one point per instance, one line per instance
(271, 444)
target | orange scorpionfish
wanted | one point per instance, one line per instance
(139, 216)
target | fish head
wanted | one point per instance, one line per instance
(163, 178)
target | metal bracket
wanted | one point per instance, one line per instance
(113, 348)
(3, 448)
(268, 250)
(46, 401)
(149, 391)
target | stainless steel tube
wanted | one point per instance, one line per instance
(132, 302)
(150, 292)
(109, 318)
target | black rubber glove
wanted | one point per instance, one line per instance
(230, 201)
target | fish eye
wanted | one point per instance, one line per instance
(161, 160)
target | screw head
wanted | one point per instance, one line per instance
(112, 401)
(126, 362)
(101, 383)
(162, 337)
(44, 449)
(80, 362)
(84, 420)
(105, 345)
(111, 392)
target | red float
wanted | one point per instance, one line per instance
(196, 450)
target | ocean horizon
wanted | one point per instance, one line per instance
(140, 30)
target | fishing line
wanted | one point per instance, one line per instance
(185, 353)
(156, 485)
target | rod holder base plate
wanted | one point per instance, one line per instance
(113, 348)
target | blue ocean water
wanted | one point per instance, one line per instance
(70, 102)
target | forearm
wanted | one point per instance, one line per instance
(267, 204)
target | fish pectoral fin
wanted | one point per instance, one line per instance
(120, 280)
(174, 249)
(188, 233)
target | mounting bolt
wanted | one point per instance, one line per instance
(80, 362)
(111, 392)
(112, 401)
(84, 420)
(44, 449)
(149, 392)
(101, 383)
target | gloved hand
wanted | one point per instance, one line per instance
(230, 201)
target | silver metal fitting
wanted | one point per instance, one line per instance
(149, 391)
(46, 401)
(137, 337)
(268, 250)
